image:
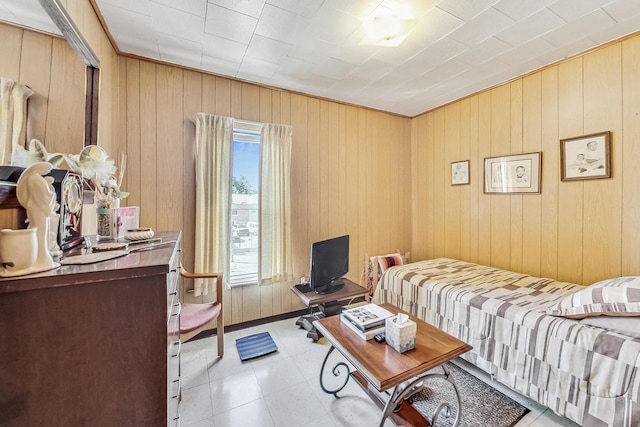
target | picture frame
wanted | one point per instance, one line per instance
(513, 174)
(586, 157)
(460, 172)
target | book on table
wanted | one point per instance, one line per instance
(365, 335)
(367, 316)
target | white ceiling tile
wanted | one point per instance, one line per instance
(482, 27)
(268, 49)
(437, 53)
(332, 25)
(529, 28)
(282, 25)
(194, 7)
(579, 28)
(484, 51)
(179, 51)
(623, 10)
(142, 47)
(372, 70)
(127, 26)
(611, 33)
(138, 6)
(256, 68)
(306, 8)
(568, 50)
(518, 9)
(219, 66)
(465, 10)
(28, 13)
(358, 8)
(228, 24)
(570, 10)
(532, 49)
(437, 75)
(431, 27)
(351, 83)
(6, 15)
(334, 68)
(352, 52)
(251, 8)
(486, 69)
(312, 50)
(225, 49)
(177, 23)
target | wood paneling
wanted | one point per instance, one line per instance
(350, 168)
(577, 231)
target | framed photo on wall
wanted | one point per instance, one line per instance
(518, 173)
(460, 172)
(586, 157)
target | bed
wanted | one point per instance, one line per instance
(534, 334)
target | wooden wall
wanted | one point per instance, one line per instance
(350, 168)
(579, 231)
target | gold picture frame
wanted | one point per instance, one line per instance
(586, 157)
(460, 172)
(513, 174)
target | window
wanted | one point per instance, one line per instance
(245, 172)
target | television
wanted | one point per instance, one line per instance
(329, 263)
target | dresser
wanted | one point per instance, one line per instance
(95, 344)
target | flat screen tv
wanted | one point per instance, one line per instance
(329, 263)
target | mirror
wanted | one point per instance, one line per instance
(65, 81)
(76, 40)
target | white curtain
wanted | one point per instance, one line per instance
(214, 140)
(13, 117)
(275, 204)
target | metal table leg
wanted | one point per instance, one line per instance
(400, 393)
(336, 371)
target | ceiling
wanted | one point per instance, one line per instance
(457, 47)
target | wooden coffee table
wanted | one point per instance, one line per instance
(378, 367)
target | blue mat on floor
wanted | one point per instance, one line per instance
(255, 346)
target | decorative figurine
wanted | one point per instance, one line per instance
(36, 194)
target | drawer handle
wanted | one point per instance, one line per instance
(175, 396)
(179, 344)
(179, 309)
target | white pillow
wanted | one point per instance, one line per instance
(629, 326)
(612, 297)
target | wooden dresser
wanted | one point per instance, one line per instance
(93, 345)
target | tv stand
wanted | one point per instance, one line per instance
(313, 300)
(332, 287)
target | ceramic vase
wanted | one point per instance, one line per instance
(18, 250)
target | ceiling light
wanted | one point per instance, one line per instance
(386, 28)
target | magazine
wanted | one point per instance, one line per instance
(367, 316)
(366, 335)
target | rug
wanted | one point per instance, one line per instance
(255, 345)
(482, 405)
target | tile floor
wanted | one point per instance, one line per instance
(282, 389)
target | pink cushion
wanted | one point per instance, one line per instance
(194, 316)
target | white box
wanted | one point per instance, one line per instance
(401, 337)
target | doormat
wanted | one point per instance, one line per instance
(256, 345)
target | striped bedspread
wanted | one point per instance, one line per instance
(587, 374)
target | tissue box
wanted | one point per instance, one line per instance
(402, 337)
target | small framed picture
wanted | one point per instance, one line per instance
(586, 157)
(460, 172)
(518, 173)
